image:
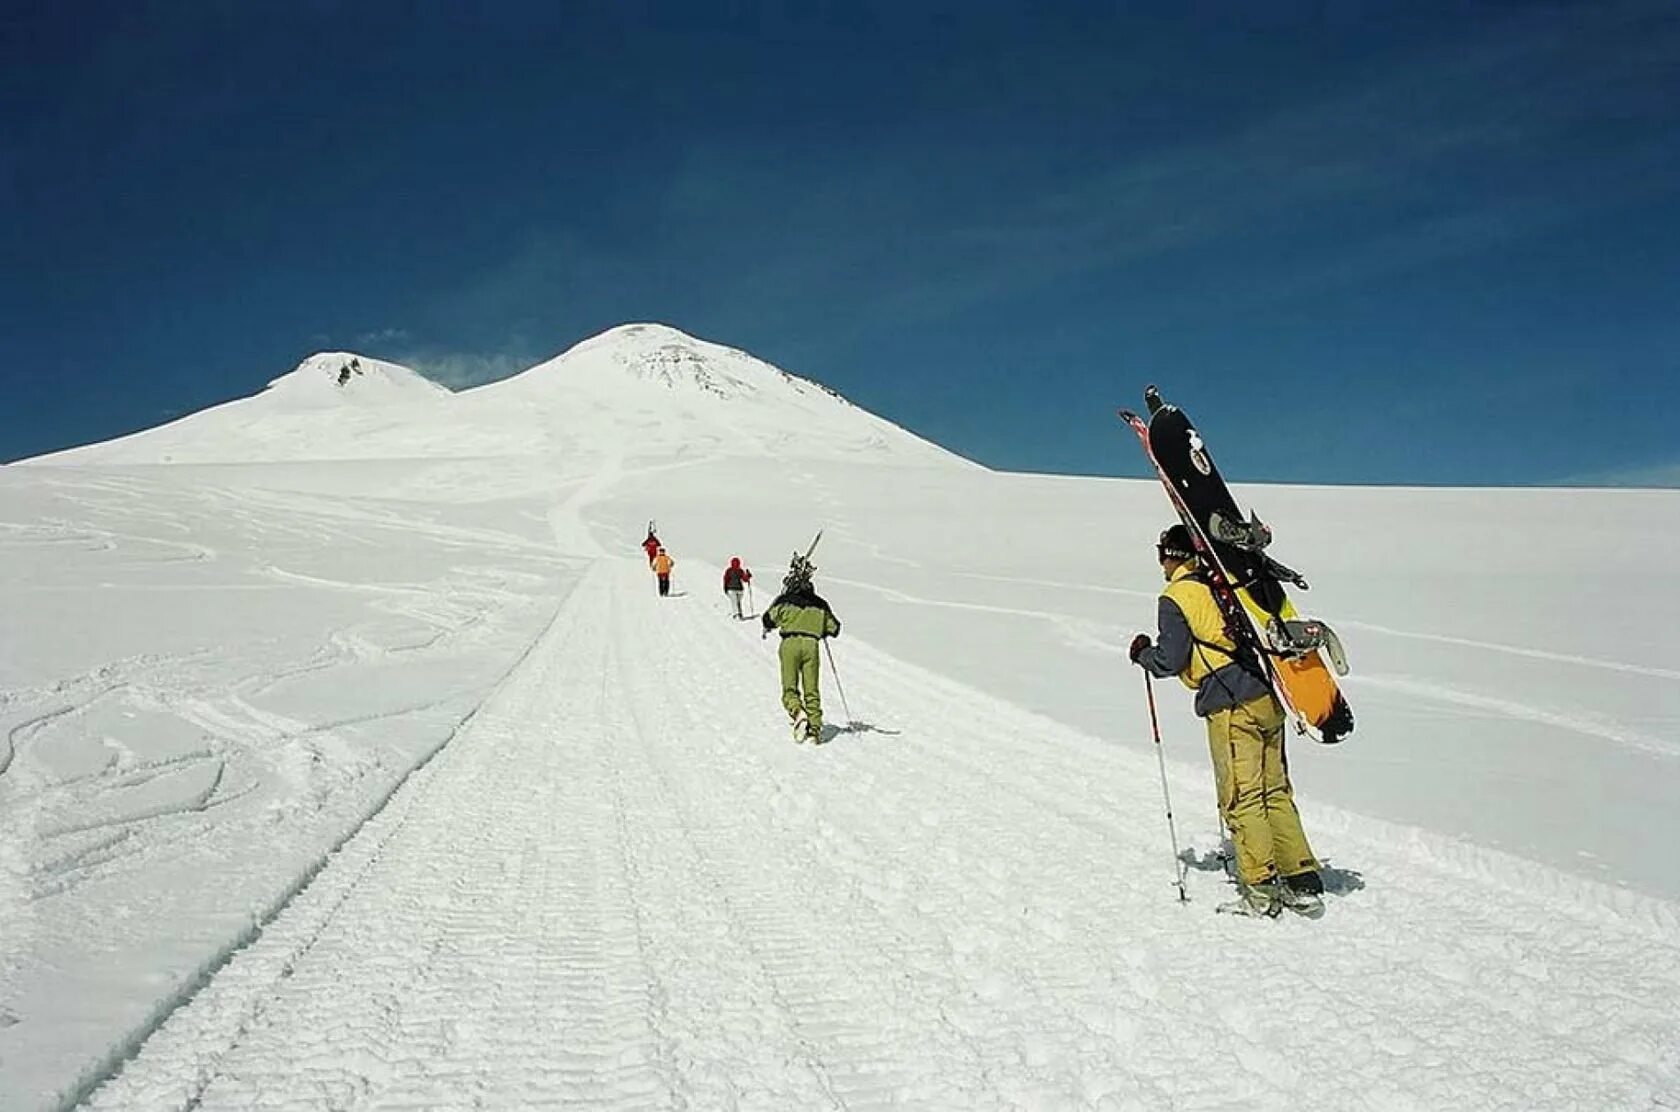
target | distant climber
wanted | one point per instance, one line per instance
(735, 580)
(662, 565)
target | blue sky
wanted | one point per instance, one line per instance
(1406, 243)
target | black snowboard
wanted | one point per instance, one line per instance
(1186, 464)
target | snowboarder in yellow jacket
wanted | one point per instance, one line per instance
(803, 619)
(1245, 723)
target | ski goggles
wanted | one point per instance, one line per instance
(1163, 553)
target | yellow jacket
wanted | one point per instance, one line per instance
(662, 564)
(1211, 648)
(1194, 646)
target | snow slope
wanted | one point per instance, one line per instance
(389, 782)
(618, 888)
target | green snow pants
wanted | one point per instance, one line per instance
(1251, 775)
(801, 661)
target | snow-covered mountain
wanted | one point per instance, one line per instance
(334, 405)
(639, 389)
(655, 391)
(377, 775)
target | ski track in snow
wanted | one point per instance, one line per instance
(1438, 692)
(148, 770)
(1104, 637)
(620, 886)
(1064, 586)
(1341, 623)
(1515, 650)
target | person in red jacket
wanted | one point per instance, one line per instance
(735, 580)
(651, 546)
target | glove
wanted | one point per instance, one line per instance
(1139, 643)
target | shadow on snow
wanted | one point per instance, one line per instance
(1337, 882)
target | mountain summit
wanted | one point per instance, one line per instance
(334, 378)
(652, 386)
(660, 355)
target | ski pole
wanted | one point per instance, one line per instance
(751, 605)
(838, 686)
(1160, 757)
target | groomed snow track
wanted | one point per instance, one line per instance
(621, 886)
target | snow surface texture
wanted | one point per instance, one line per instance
(377, 776)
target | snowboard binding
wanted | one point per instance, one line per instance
(1250, 536)
(1298, 637)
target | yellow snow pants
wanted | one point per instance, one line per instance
(801, 664)
(1251, 775)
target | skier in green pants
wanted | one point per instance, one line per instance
(803, 619)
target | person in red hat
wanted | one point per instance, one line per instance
(735, 580)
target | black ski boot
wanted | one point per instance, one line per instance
(1303, 894)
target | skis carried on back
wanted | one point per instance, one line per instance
(801, 565)
(1247, 583)
(801, 568)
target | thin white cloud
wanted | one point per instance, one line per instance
(1379, 161)
(384, 336)
(1662, 476)
(460, 370)
(456, 369)
(1440, 155)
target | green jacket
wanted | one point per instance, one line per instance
(801, 613)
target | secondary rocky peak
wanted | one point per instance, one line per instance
(341, 376)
